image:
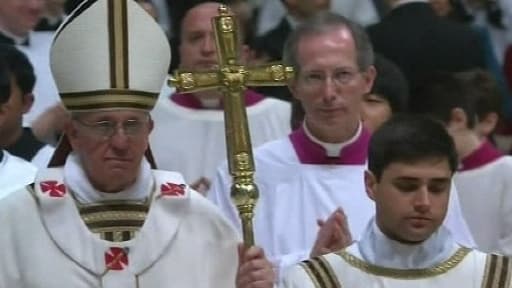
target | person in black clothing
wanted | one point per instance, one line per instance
(17, 80)
(420, 42)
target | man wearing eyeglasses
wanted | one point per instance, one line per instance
(101, 216)
(314, 178)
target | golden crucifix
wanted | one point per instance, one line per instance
(231, 79)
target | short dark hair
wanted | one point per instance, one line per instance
(409, 139)
(482, 85)
(438, 93)
(14, 65)
(390, 84)
(324, 22)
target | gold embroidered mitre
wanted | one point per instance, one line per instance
(109, 54)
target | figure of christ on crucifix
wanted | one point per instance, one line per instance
(232, 78)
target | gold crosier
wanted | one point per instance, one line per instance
(231, 79)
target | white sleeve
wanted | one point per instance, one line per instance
(296, 277)
(505, 237)
(455, 221)
(220, 195)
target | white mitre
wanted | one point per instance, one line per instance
(109, 54)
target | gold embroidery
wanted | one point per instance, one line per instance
(439, 269)
(321, 273)
(497, 272)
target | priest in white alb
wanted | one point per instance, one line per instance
(102, 217)
(410, 168)
(305, 177)
(189, 135)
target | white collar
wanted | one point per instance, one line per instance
(377, 249)
(77, 181)
(333, 149)
(403, 2)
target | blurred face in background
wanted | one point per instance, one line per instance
(307, 8)
(441, 7)
(375, 110)
(19, 17)
(197, 46)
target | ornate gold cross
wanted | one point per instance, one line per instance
(232, 79)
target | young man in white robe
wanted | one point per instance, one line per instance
(104, 218)
(189, 136)
(410, 165)
(319, 167)
(483, 177)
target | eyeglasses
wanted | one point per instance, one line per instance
(106, 129)
(339, 78)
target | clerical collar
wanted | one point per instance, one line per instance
(403, 2)
(13, 39)
(77, 181)
(377, 249)
(310, 150)
(483, 155)
(189, 100)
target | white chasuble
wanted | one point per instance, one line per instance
(346, 269)
(377, 261)
(184, 241)
(190, 138)
(15, 173)
(299, 183)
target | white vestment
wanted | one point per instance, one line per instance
(362, 12)
(45, 91)
(377, 261)
(485, 191)
(296, 190)
(15, 173)
(192, 141)
(184, 241)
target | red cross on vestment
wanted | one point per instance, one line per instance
(53, 188)
(116, 258)
(171, 189)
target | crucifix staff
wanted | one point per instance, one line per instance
(232, 78)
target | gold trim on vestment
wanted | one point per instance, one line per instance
(439, 269)
(497, 272)
(321, 273)
(109, 98)
(90, 218)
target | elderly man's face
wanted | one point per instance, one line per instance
(111, 146)
(19, 17)
(330, 85)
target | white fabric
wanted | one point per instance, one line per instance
(192, 141)
(15, 173)
(43, 156)
(81, 52)
(184, 242)
(360, 11)
(45, 91)
(467, 273)
(76, 179)
(378, 249)
(294, 195)
(486, 201)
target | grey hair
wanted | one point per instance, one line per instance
(322, 23)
